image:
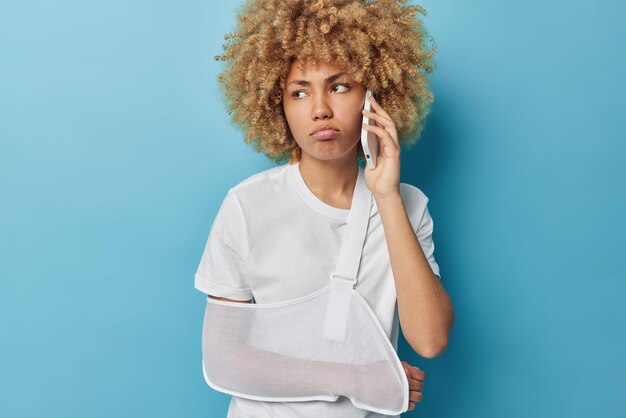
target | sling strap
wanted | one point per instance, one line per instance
(345, 275)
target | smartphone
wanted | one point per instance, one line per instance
(369, 142)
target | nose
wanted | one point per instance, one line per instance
(321, 108)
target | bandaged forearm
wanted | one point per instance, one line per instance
(247, 370)
(300, 352)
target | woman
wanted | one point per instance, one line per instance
(295, 83)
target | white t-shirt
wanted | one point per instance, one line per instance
(273, 240)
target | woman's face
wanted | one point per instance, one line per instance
(323, 96)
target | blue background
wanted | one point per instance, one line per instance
(116, 152)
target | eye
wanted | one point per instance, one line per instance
(295, 94)
(341, 85)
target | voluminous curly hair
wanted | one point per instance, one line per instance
(380, 44)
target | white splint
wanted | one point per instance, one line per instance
(318, 347)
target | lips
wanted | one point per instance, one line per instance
(325, 132)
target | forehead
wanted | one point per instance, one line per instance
(311, 70)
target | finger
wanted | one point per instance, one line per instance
(381, 121)
(415, 385)
(384, 122)
(378, 117)
(413, 372)
(411, 406)
(405, 366)
(389, 146)
(378, 108)
(415, 396)
(417, 373)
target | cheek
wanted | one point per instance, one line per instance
(290, 117)
(293, 117)
(352, 112)
(291, 110)
(353, 119)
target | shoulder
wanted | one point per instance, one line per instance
(261, 179)
(261, 187)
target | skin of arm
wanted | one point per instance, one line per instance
(424, 308)
(425, 311)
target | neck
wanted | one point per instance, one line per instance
(333, 182)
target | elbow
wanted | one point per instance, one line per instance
(434, 342)
(431, 350)
(434, 351)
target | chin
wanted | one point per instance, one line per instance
(330, 154)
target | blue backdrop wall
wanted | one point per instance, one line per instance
(116, 152)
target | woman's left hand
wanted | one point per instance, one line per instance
(384, 180)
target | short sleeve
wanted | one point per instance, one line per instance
(425, 238)
(416, 205)
(222, 269)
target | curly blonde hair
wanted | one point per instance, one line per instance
(380, 44)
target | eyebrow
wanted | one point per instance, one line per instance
(327, 80)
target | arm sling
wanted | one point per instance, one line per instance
(317, 347)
